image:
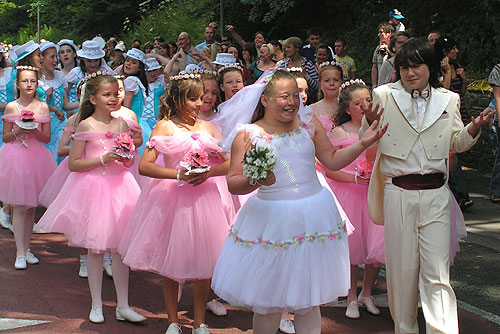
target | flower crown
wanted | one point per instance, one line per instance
(351, 82)
(190, 75)
(228, 66)
(331, 63)
(119, 77)
(96, 74)
(294, 69)
(24, 67)
(200, 71)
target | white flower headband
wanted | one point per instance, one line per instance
(24, 67)
(96, 74)
(331, 63)
(351, 82)
(228, 66)
(294, 69)
(200, 71)
(185, 76)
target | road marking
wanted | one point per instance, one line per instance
(9, 323)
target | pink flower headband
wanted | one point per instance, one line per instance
(351, 82)
(24, 67)
(96, 74)
(200, 71)
(185, 76)
(228, 66)
(331, 63)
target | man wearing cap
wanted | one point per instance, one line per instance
(395, 17)
(188, 54)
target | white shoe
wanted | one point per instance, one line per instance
(369, 303)
(38, 230)
(31, 258)
(174, 328)
(286, 326)
(5, 220)
(21, 262)
(129, 315)
(83, 273)
(216, 308)
(107, 268)
(96, 316)
(352, 311)
(203, 329)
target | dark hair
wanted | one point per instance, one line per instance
(327, 48)
(171, 43)
(84, 69)
(443, 46)
(223, 72)
(174, 99)
(313, 31)
(297, 74)
(280, 74)
(328, 68)
(387, 27)
(278, 44)
(147, 45)
(159, 39)
(394, 37)
(417, 51)
(341, 40)
(137, 40)
(141, 74)
(91, 88)
(3, 61)
(75, 59)
(341, 116)
(250, 47)
(28, 60)
(262, 33)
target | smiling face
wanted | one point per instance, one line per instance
(233, 51)
(91, 65)
(210, 95)
(264, 53)
(231, 84)
(282, 102)
(259, 40)
(330, 82)
(67, 55)
(36, 58)
(131, 66)
(49, 60)
(106, 97)
(322, 55)
(192, 105)
(415, 76)
(360, 99)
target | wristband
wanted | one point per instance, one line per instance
(356, 178)
(15, 136)
(180, 183)
(102, 160)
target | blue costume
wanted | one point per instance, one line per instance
(134, 85)
(156, 90)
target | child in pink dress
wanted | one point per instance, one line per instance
(95, 203)
(350, 185)
(179, 224)
(25, 163)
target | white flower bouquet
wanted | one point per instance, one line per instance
(258, 162)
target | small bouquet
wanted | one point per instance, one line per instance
(258, 162)
(124, 146)
(364, 169)
(195, 161)
(26, 120)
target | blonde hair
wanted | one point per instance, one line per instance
(174, 99)
(270, 47)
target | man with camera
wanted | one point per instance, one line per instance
(381, 52)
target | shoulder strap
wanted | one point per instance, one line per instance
(91, 125)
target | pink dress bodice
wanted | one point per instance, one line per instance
(31, 138)
(326, 122)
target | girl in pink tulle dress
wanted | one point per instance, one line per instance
(94, 205)
(25, 163)
(350, 185)
(179, 224)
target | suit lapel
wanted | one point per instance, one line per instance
(435, 107)
(403, 100)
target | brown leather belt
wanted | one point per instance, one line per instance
(419, 182)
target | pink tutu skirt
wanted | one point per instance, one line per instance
(177, 232)
(93, 210)
(366, 243)
(24, 172)
(54, 184)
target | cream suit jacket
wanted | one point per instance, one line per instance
(442, 129)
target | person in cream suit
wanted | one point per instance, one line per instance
(407, 191)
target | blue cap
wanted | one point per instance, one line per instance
(396, 14)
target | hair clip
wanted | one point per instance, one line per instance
(294, 69)
(24, 67)
(230, 66)
(96, 74)
(185, 76)
(330, 63)
(351, 82)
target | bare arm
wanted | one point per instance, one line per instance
(496, 94)
(374, 76)
(127, 101)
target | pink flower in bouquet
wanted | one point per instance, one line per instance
(196, 159)
(27, 115)
(195, 136)
(364, 168)
(124, 144)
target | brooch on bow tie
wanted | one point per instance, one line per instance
(424, 94)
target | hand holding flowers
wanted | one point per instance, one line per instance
(258, 165)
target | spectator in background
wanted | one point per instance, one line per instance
(433, 36)
(278, 51)
(164, 49)
(156, 43)
(381, 52)
(494, 81)
(187, 54)
(117, 58)
(314, 39)
(147, 48)
(248, 54)
(264, 62)
(395, 18)
(322, 55)
(347, 63)
(227, 40)
(136, 44)
(209, 37)
(387, 70)
(172, 49)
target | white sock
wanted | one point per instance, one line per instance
(266, 324)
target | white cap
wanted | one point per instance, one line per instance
(137, 54)
(47, 45)
(225, 59)
(68, 42)
(91, 50)
(26, 49)
(152, 64)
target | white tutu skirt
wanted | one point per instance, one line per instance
(284, 255)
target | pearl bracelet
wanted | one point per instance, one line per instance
(102, 160)
(180, 183)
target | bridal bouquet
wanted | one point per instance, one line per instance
(124, 146)
(258, 162)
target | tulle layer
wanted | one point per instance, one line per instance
(284, 255)
(24, 172)
(177, 232)
(54, 184)
(93, 210)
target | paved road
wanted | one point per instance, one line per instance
(51, 298)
